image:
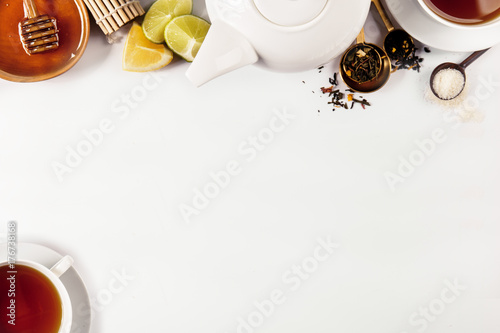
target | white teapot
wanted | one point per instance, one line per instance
(283, 35)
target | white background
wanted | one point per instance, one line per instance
(322, 176)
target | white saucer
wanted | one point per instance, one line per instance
(77, 291)
(413, 18)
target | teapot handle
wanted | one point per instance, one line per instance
(223, 50)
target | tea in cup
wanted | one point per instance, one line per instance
(33, 298)
(463, 13)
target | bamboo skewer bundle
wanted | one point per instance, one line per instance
(111, 15)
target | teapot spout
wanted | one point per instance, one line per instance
(223, 50)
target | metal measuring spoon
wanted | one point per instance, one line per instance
(460, 67)
(395, 37)
(380, 79)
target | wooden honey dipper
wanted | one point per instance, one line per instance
(38, 32)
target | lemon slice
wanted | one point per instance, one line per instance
(184, 35)
(160, 13)
(142, 55)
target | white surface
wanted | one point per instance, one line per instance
(418, 23)
(117, 213)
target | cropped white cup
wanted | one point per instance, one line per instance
(53, 275)
(431, 13)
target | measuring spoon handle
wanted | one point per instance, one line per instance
(360, 39)
(383, 15)
(470, 59)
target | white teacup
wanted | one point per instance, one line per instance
(492, 23)
(53, 275)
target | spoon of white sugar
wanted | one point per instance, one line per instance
(448, 79)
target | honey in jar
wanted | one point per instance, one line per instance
(72, 23)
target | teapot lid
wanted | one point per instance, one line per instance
(290, 13)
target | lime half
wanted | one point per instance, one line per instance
(185, 34)
(160, 13)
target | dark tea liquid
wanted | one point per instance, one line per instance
(466, 11)
(38, 306)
